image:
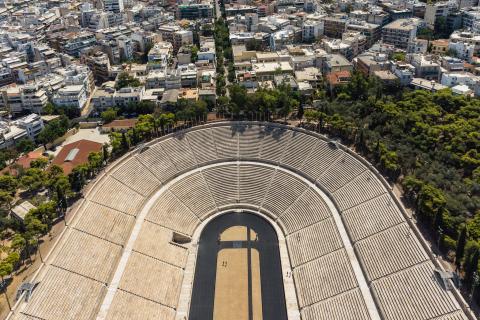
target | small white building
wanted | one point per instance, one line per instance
(451, 79)
(207, 51)
(462, 90)
(21, 210)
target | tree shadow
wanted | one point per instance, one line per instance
(275, 132)
(239, 128)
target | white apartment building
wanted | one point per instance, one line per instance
(160, 53)
(425, 66)
(126, 46)
(207, 51)
(125, 96)
(470, 18)
(71, 96)
(463, 50)
(13, 131)
(77, 74)
(156, 79)
(188, 75)
(32, 124)
(451, 79)
(438, 9)
(18, 99)
(312, 30)
(469, 37)
(102, 99)
(113, 5)
(404, 71)
(10, 134)
(107, 97)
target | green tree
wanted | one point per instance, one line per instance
(18, 243)
(430, 201)
(53, 130)
(40, 163)
(78, 177)
(45, 212)
(164, 120)
(95, 161)
(399, 56)
(471, 268)
(25, 146)
(238, 98)
(460, 249)
(109, 115)
(194, 53)
(125, 80)
(300, 112)
(125, 143)
(6, 269)
(33, 179)
(145, 127)
(48, 109)
(105, 153)
(8, 184)
(61, 199)
(34, 226)
(6, 200)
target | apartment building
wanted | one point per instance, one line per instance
(402, 32)
(77, 74)
(71, 96)
(334, 27)
(438, 9)
(27, 127)
(107, 97)
(372, 32)
(336, 63)
(25, 98)
(113, 5)
(439, 46)
(176, 36)
(159, 54)
(32, 124)
(76, 42)
(425, 66)
(193, 11)
(451, 79)
(312, 30)
(98, 62)
(469, 37)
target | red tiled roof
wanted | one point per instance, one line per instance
(123, 123)
(338, 77)
(77, 158)
(24, 162)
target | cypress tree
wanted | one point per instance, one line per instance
(471, 267)
(125, 145)
(460, 250)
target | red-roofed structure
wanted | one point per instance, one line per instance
(75, 154)
(23, 161)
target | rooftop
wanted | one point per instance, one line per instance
(75, 154)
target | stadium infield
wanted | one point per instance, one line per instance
(238, 274)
